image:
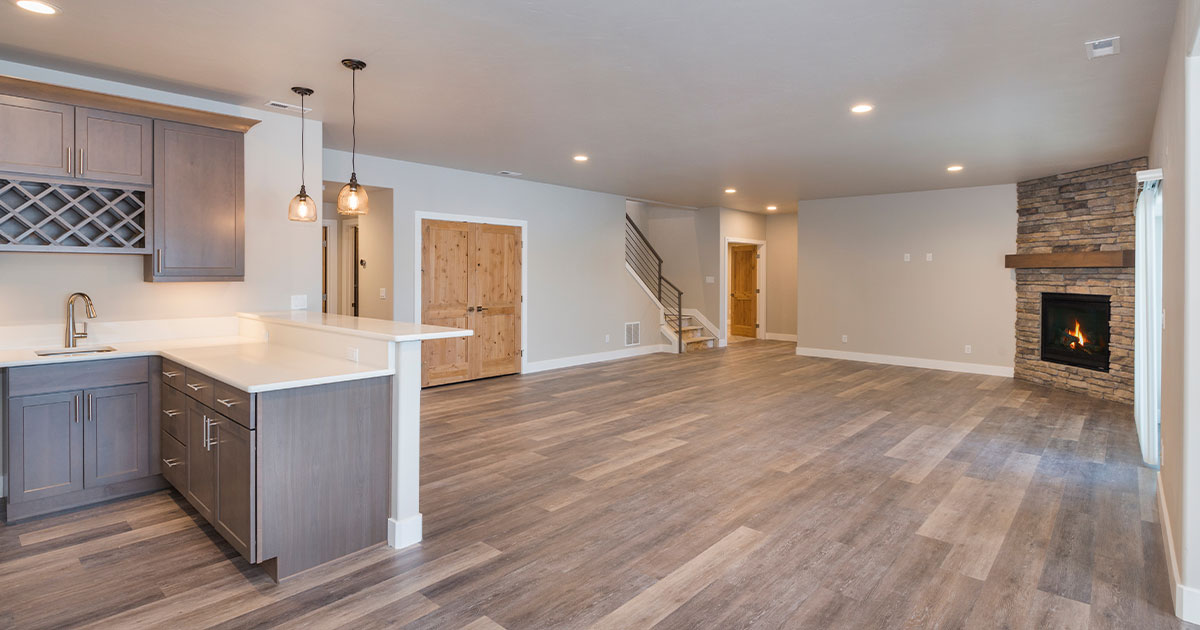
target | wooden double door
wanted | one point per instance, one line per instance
(471, 278)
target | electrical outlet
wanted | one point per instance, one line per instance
(967, 349)
(299, 302)
(607, 338)
(928, 257)
(352, 354)
(845, 338)
(908, 258)
(382, 293)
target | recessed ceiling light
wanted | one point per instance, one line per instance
(862, 108)
(730, 191)
(954, 168)
(581, 158)
(772, 208)
(35, 6)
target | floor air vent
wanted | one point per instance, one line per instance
(633, 333)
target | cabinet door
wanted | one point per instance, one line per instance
(116, 434)
(45, 437)
(198, 204)
(38, 136)
(235, 484)
(201, 462)
(114, 147)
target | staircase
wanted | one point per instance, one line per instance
(646, 266)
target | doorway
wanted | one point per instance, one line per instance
(743, 283)
(471, 275)
(360, 256)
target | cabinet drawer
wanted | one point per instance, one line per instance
(63, 377)
(233, 403)
(174, 413)
(174, 462)
(172, 374)
(198, 386)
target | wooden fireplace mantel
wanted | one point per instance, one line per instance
(1062, 260)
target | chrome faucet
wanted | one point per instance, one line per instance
(72, 334)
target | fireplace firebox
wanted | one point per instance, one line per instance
(1075, 329)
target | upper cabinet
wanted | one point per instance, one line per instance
(114, 147)
(36, 137)
(199, 190)
(94, 173)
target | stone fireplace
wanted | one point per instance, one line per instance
(1075, 236)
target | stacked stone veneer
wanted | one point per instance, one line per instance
(1087, 210)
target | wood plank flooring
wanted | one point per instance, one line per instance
(737, 488)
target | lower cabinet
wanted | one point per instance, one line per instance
(87, 444)
(234, 447)
(201, 490)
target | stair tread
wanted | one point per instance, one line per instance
(696, 339)
(692, 327)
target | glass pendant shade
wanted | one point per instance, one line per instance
(352, 200)
(302, 208)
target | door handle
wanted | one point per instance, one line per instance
(171, 463)
(89, 408)
(197, 386)
(170, 374)
(70, 161)
(228, 402)
(470, 309)
(75, 408)
(480, 309)
(81, 170)
(171, 413)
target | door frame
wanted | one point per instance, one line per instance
(346, 273)
(333, 267)
(419, 234)
(723, 324)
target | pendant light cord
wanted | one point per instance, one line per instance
(353, 119)
(302, 165)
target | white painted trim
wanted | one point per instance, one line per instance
(597, 357)
(723, 334)
(931, 364)
(781, 337)
(404, 532)
(521, 223)
(1150, 175)
(1185, 598)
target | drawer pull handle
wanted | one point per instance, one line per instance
(228, 402)
(197, 386)
(171, 374)
(171, 413)
(171, 463)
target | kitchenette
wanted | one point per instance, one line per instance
(293, 433)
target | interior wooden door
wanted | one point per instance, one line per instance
(447, 278)
(497, 317)
(471, 278)
(743, 290)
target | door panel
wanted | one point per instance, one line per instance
(46, 446)
(38, 136)
(743, 290)
(116, 434)
(235, 484)
(201, 462)
(116, 147)
(498, 288)
(447, 258)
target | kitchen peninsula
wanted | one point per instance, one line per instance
(294, 434)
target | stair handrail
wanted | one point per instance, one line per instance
(647, 264)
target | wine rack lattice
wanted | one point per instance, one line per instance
(43, 216)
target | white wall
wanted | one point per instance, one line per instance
(579, 290)
(1175, 148)
(854, 281)
(781, 275)
(282, 257)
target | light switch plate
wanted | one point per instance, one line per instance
(382, 293)
(967, 349)
(845, 338)
(908, 258)
(928, 257)
(710, 279)
(352, 354)
(299, 302)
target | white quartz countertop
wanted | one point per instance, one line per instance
(379, 329)
(263, 367)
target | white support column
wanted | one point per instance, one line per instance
(404, 522)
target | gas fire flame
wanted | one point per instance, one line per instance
(1078, 335)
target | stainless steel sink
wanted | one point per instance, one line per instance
(57, 352)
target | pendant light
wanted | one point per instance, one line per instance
(302, 208)
(352, 199)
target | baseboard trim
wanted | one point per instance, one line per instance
(584, 359)
(930, 364)
(404, 532)
(781, 337)
(1185, 598)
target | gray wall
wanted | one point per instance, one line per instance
(781, 274)
(852, 279)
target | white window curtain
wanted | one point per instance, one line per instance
(1147, 318)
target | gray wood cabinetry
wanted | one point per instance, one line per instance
(114, 147)
(201, 462)
(78, 433)
(235, 463)
(45, 446)
(199, 194)
(36, 137)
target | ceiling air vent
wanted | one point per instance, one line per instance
(633, 333)
(287, 107)
(509, 173)
(1103, 47)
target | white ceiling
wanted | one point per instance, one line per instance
(673, 100)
